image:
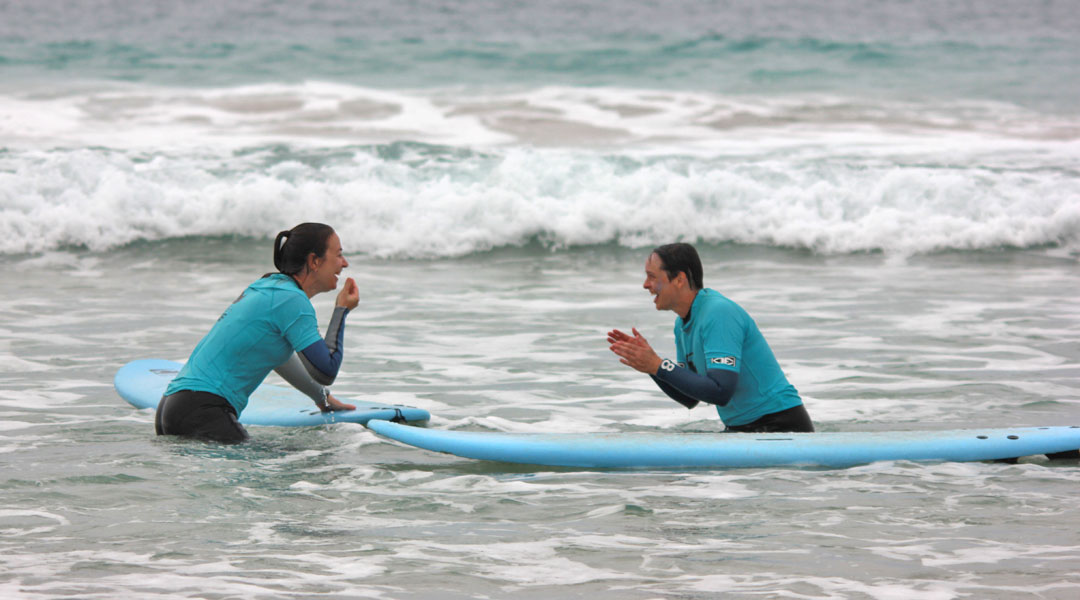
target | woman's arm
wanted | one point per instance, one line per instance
(323, 358)
(294, 372)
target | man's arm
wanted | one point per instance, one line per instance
(675, 394)
(715, 387)
(681, 384)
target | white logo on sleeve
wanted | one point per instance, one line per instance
(667, 365)
(728, 361)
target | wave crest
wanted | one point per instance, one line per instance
(414, 200)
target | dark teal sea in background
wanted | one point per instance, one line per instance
(891, 189)
(1012, 51)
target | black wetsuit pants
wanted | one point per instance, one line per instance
(791, 420)
(199, 415)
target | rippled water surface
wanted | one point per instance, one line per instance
(891, 189)
(96, 506)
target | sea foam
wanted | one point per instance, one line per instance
(440, 173)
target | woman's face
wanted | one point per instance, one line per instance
(328, 267)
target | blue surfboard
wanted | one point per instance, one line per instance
(142, 383)
(667, 450)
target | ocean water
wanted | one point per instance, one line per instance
(891, 189)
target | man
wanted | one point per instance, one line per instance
(722, 358)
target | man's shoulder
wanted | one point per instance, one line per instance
(715, 305)
(712, 299)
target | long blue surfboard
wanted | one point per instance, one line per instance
(666, 450)
(142, 383)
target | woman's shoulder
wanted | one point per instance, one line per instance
(281, 290)
(276, 281)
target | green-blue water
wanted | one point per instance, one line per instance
(1008, 51)
(890, 189)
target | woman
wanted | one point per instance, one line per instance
(271, 325)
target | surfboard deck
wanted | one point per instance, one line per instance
(667, 450)
(142, 382)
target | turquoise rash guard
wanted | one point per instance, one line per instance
(262, 329)
(723, 359)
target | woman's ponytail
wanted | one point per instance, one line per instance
(280, 241)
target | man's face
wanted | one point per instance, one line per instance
(658, 284)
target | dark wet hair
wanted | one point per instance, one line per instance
(292, 247)
(681, 258)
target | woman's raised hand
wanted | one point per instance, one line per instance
(349, 296)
